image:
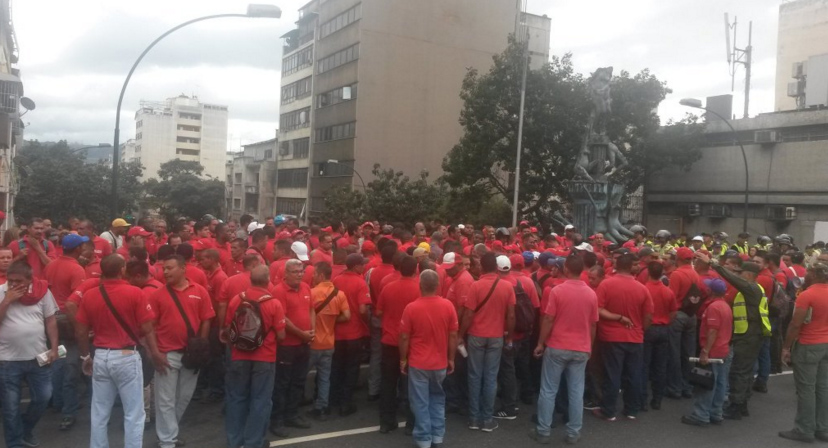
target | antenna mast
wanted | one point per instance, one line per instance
(736, 55)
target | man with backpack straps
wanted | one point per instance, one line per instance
(685, 284)
(254, 322)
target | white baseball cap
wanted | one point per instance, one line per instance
(698, 238)
(253, 226)
(569, 227)
(584, 246)
(503, 263)
(449, 260)
(300, 249)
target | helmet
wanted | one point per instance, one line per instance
(638, 228)
(278, 220)
(502, 231)
(663, 234)
(207, 218)
(784, 236)
(764, 239)
(723, 235)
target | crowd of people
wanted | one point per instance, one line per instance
(449, 319)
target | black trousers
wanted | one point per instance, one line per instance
(393, 388)
(345, 371)
(291, 374)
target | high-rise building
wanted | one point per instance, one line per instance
(803, 38)
(181, 128)
(251, 181)
(11, 127)
(378, 81)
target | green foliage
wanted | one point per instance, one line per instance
(180, 191)
(342, 204)
(55, 182)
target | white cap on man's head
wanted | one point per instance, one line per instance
(300, 249)
(569, 227)
(253, 226)
(449, 260)
(503, 263)
(698, 238)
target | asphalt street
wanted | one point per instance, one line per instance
(203, 426)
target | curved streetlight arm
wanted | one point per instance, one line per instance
(115, 151)
(364, 188)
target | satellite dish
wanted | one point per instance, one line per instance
(27, 103)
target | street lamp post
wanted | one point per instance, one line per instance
(352, 169)
(99, 145)
(253, 11)
(695, 103)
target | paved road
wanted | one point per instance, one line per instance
(203, 426)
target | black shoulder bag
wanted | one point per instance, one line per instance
(146, 362)
(488, 296)
(197, 353)
(330, 297)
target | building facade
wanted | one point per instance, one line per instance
(11, 127)
(378, 82)
(786, 166)
(181, 128)
(803, 34)
(251, 180)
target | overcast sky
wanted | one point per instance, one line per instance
(75, 54)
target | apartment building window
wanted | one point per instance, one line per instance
(139, 123)
(297, 90)
(341, 21)
(139, 136)
(290, 206)
(297, 61)
(339, 58)
(301, 148)
(137, 148)
(186, 152)
(237, 204)
(293, 178)
(336, 132)
(186, 116)
(185, 127)
(238, 178)
(268, 154)
(337, 96)
(187, 140)
(294, 120)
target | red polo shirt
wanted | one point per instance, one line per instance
(664, 302)
(93, 268)
(815, 298)
(128, 301)
(194, 275)
(719, 316)
(215, 280)
(77, 294)
(337, 269)
(392, 277)
(458, 292)
(377, 275)
(355, 288)
(297, 305)
(277, 270)
(171, 331)
(102, 247)
(392, 301)
(320, 256)
(273, 320)
(680, 281)
(150, 287)
(574, 306)
(428, 322)
(622, 294)
(490, 320)
(64, 275)
(32, 258)
(234, 286)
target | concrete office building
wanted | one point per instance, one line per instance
(803, 34)
(11, 127)
(251, 181)
(378, 81)
(181, 128)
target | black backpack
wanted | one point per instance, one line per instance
(524, 311)
(247, 330)
(779, 302)
(540, 281)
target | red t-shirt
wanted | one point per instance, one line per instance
(86, 285)
(355, 288)
(234, 286)
(194, 275)
(377, 275)
(458, 291)
(680, 281)
(392, 301)
(64, 275)
(815, 298)
(215, 281)
(392, 277)
(622, 294)
(428, 322)
(490, 320)
(32, 258)
(574, 306)
(102, 247)
(277, 270)
(170, 330)
(273, 320)
(320, 256)
(130, 303)
(337, 269)
(718, 315)
(150, 287)
(664, 302)
(93, 268)
(297, 305)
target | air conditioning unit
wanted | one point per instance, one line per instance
(781, 213)
(717, 211)
(796, 88)
(284, 151)
(799, 70)
(693, 210)
(766, 137)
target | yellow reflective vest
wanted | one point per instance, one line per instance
(740, 314)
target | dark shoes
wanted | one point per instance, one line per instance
(796, 435)
(298, 422)
(821, 436)
(760, 386)
(655, 405)
(67, 423)
(279, 431)
(347, 410)
(386, 428)
(736, 411)
(543, 440)
(693, 422)
(320, 415)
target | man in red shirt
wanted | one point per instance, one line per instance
(294, 350)
(134, 238)
(489, 319)
(34, 249)
(715, 332)
(282, 253)
(236, 285)
(770, 355)
(258, 243)
(174, 390)
(64, 275)
(323, 252)
(117, 363)
(214, 372)
(392, 301)
(684, 281)
(234, 265)
(349, 335)
(137, 274)
(158, 238)
(427, 342)
(250, 374)
(102, 247)
(657, 337)
(375, 277)
(194, 273)
(626, 310)
(566, 336)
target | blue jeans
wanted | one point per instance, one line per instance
(555, 364)
(117, 373)
(12, 373)
(622, 365)
(707, 405)
(483, 362)
(763, 362)
(321, 359)
(682, 347)
(66, 379)
(428, 404)
(249, 400)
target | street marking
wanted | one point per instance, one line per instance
(328, 435)
(787, 372)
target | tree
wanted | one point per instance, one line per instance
(344, 204)
(55, 182)
(180, 191)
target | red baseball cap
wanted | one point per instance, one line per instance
(524, 222)
(684, 253)
(516, 260)
(297, 232)
(367, 224)
(328, 229)
(533, 230)
(138, 231)
(369, 246)
(283, 235)
(497, 245)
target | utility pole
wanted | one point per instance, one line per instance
(736, 55)
(522, 36)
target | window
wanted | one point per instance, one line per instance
(301, 147)
(336, 132)
(297, 90)
(337, 96)
(139, 136)
(187, 140)
(290, 206)
(186, 152)
(238, 178)
(184, 127)
(343, 168)
(341, 21)
(294, 120)
(139, 123)
(268, 154)
(137, 148)
(293, 178)
(186, 116)
(341, 57)
(297, 61)
(237, 204)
